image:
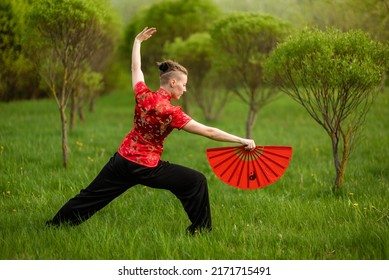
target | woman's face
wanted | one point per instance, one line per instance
(178, 86)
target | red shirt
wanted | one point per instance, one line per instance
(154, 118)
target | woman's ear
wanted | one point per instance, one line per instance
(172, 83)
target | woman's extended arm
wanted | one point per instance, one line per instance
(217, 134)
(136, 71)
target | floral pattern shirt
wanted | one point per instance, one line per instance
(154, 118)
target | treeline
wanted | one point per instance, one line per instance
(19, 78)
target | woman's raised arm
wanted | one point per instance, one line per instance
(136, 70)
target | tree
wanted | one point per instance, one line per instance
(334, 76)
(63, 36)
(243, 42)
(197, 54)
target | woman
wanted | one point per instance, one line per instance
(138, 158)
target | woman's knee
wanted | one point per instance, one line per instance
(201, 179)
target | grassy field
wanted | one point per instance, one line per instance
(298, 217)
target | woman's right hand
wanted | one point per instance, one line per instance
(145, 34)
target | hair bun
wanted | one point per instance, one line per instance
(163, 67)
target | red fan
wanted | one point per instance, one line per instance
(249, 170)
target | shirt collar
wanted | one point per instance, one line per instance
(164, 93)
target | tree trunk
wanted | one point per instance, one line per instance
(73, 106)
(80, 110)
(339, 177)
(339, 165)
(252, 115)
(64, 135)
(250, 122)
(62, 111)
(91, 106)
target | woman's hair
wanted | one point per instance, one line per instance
(169, 69)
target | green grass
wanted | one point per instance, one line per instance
(298, 217)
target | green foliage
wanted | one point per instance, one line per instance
(243, 41)
(68, 36)
(10, 25)
(323, 62)
(197, 47)
(17, 79)
(46, 11)
(65, 18)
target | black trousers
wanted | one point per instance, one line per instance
(119, 174)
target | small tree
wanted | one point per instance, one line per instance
(334, 76)
(243, 42)
(63, 36)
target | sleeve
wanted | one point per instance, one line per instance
(179, 119)
(140, 88)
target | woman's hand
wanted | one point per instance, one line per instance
(249, 143)
(145, 34)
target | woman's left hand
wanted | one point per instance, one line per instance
(249, 143)
(145, 34)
